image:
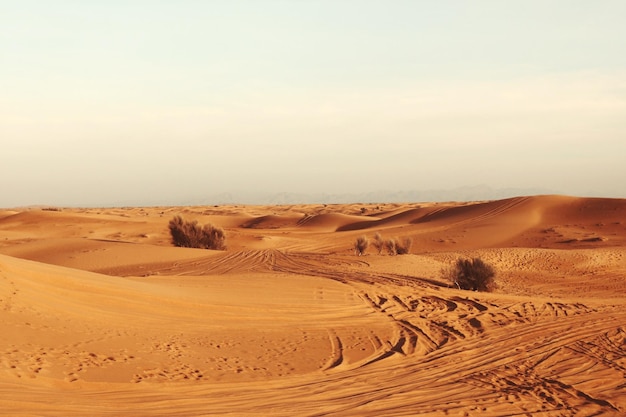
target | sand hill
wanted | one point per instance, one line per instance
(102, 316)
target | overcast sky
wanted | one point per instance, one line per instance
(103, 102)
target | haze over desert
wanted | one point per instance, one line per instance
(102, 315)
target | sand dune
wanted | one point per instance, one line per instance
(102, 316)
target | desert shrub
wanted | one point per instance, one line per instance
(403, 248)
(361, 244)
(471, 274)
(189, 234)
(391, 246)
(378, 243)
(397, 247)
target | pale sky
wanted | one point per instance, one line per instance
(131, 101)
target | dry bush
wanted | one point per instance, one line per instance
(189, 234)
(378, 243)
(397, 247)
(403, 248)
(471, 274)
(361, 244)
(391, 246)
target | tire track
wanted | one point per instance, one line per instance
(269, 260)
(556, 343)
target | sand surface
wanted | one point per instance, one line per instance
(102, 316)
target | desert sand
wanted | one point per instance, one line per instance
(102, 316)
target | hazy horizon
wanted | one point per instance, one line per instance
(458, 194)
(104, 102)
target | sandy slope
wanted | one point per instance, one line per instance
(101, 316)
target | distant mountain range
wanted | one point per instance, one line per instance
(474, 193)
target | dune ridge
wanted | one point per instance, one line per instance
(102, 316)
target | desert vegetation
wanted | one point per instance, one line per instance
(390, 246)
(361, 245)
(471, 274)
(393, 246)
(403, 246)
(378, 243)
(189, 234)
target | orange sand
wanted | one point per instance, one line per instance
(101, 316)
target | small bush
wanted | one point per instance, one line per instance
(361, 244)
(403, 248)
(392, 246)
(397, 247)
(471, 274)
(189, 234)
(378, 243)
